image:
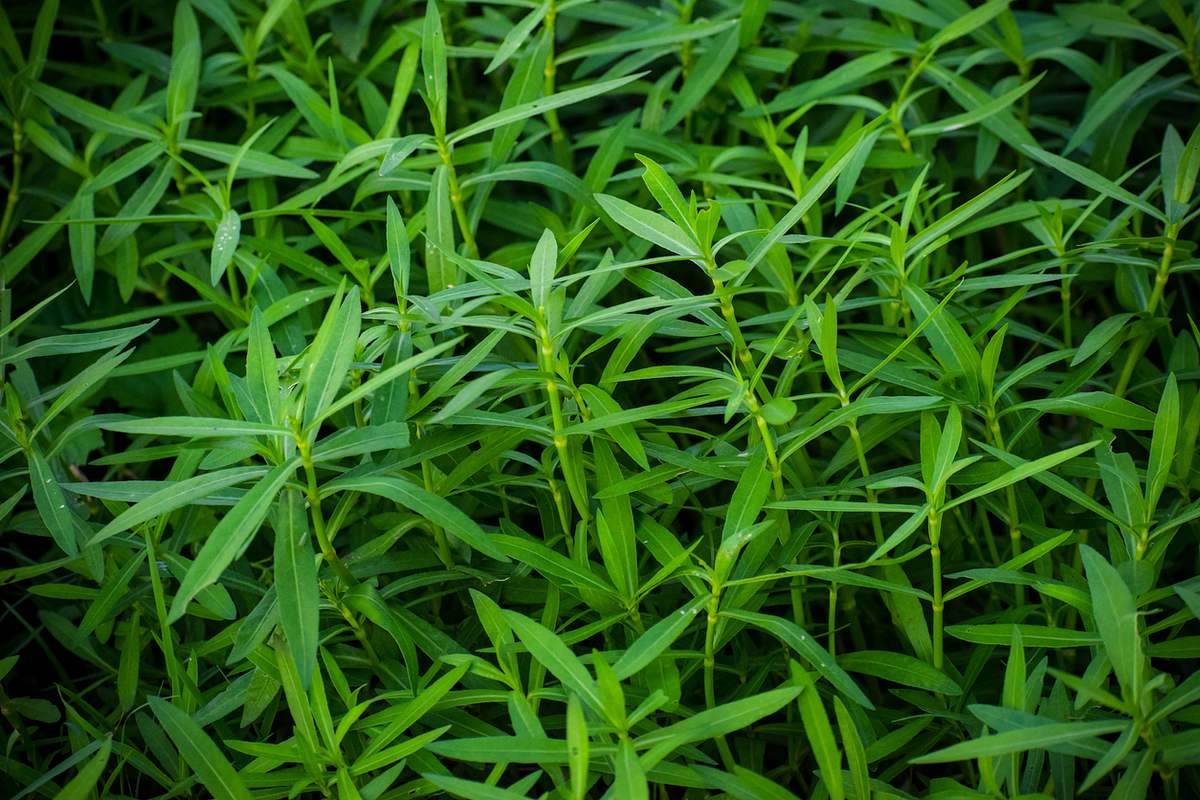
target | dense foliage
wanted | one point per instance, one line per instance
(568, 399)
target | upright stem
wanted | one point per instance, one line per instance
(1156, 294)
(558, 421)
(558, 137)
(740, 350)
(1142, 342)
(710, 694)
(456, 199)
(328, 553)
(360, 634)
(685, 50)
(831, 619)
(160, 608)
(1010, 496)
(251, 77)
(872, 496)
(764, 432)
(549, 620)
(14, 188)
(935, 554)
(1064, 292)
(439, 536)
(235, 295)
(916, 65)
(318, 517)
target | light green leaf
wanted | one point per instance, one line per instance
(212, 768)
(713, 722)
(91, 115)
(542, 267)
(1115, 613)
(1094, 181)
(1025, 470)
(819, 733)
(629, 779)
(84, 783)
(176, 495)
(899, 668)
(540, 106)
(978, 114)
(517, 35)
(296, 584)
(555, 656)
(230, 537)
(1162, 445)
(1032, 635)
(648, 225)
(843, 154)
(657, 638)
(1019, 741)
(433, 63)
(328, 361)
(1114, 98)
(225, 242)
(807, 648)
(428, 505)
(192, 427)
(1104, 408)
(52, 503)
(703, 76)
(184, 77)
(1099, 336)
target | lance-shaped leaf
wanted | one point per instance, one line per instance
(1115, 613)
(555, 656)
(1036, 738)
(231, 536)
(541, 106)
(296, 583)
(176, 495)
(52, 503)
(329, 358)
(807, 648)
(211, 766)
(427, 504)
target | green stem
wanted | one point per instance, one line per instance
(915, 67)
(14, 188)
(318, 517)
(1010, 497)
(558, 137)
(1141, 344)
(160, 609)
(234, 293)
(1065, 293)
(831, 621)
(935, 555)
(872, 496)
(740, 349)
(1156, 294)
(360, 634)
(330, 555)
(685, 50)
(439, 535)
(558, 422)
(549, 620)
(456, 200)
(764, 432)
(710, 661)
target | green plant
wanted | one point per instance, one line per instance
(563, 399)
